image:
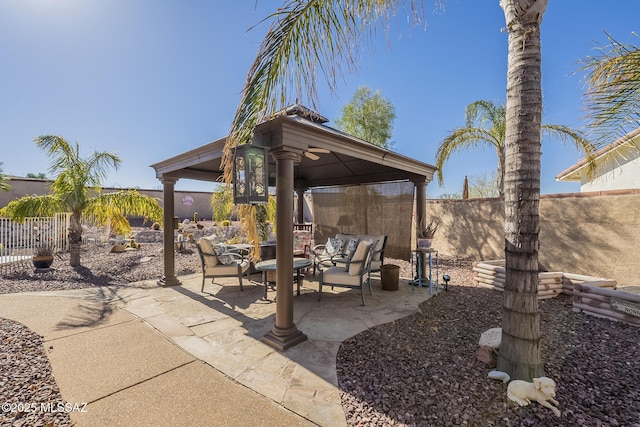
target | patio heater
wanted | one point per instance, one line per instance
(250, 185)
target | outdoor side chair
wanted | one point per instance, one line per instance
(354, 275)
(221, 264)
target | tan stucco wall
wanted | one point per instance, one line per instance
(596, 234)
(21, 187)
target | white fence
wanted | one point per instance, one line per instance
(19, 240)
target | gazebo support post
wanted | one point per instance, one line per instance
(284, 334)
(169, 278)
(421, 210)
(300, 199)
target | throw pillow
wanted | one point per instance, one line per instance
(351, 249)
(333, 246)
(220, 250)
(355, 268)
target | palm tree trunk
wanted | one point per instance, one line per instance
(75, 238)
(501, 174)
(519, 354)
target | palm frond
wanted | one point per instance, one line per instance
(565, 134)
(28, 206)
(461, 139)
(612, 97)
(108, 208)
(483, 113)
(63, 156)
(306, 38)
(97, 166)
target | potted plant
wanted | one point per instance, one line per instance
(425, 233)
(42, 257)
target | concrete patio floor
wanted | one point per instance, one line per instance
(127, 363)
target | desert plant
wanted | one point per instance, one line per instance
(43, 251)
(195, 217)
(226, 223)
(77, 188)
(427, 230)
(155, 226)
(222, 203)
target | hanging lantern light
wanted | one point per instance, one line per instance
(250, 174)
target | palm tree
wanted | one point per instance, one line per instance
(4, 186)
(613, 90)
(314, 36)
(486, 126)
(519, 354)
(77, 189)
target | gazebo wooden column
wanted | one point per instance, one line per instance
(284, 334)
(300, 206)
(169, 278)
(421, 210)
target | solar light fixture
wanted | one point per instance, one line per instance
(250, 174)
(446, 279)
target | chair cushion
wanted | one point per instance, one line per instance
(352, 245)
(227, 270)
(355, 269)
(379, 245)
(338, 276)
(207, 248)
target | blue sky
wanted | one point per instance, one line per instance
(149, 79)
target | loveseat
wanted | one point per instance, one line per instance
(337, 249)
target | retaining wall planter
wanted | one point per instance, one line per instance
(595, 296)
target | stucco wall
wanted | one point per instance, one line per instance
(618, 173)
(596, 234)
(199, 201)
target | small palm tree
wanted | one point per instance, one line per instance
(77, 189)
(4, 186)
(486, 126)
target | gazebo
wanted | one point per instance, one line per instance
(295, 139)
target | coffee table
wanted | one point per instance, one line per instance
(270, 265)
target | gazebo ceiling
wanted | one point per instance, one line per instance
(350, 161)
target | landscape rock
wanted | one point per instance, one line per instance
(117, 248)
(491, 338)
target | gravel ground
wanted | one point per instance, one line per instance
(420, 370)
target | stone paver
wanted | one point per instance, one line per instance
(145, 355)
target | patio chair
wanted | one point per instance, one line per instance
(354, 275)
(218, 261)
(302, 243)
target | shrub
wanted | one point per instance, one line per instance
(155, 226)
(43, 251)
(226, 223)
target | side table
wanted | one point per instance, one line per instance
(416, 259)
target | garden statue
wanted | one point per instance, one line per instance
(542, 390)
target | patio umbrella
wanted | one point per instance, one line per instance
(465, 188)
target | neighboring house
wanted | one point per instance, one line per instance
(617, 167)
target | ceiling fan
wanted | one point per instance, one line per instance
(310, 153)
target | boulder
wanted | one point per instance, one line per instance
(499, 375)
(489, 343)
(117, 248)
(487, 355)
(491, 338)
